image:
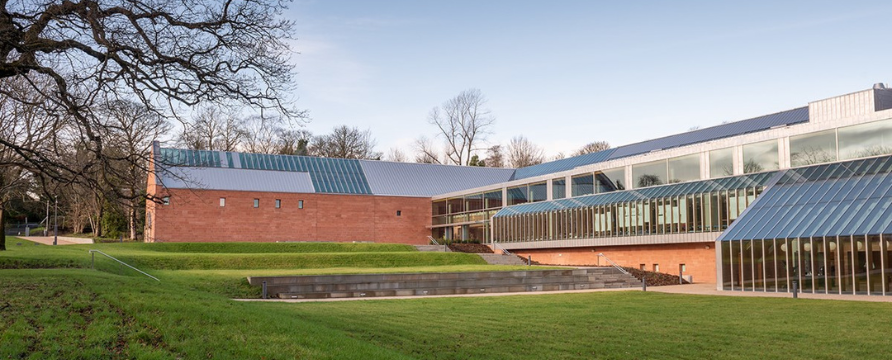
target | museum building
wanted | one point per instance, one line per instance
(800, 195)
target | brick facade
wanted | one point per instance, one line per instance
(196, 216)
(699, 258)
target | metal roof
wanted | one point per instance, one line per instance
(209, 178)
(841, 199)
(563, 164)
(409, 179)
(762, 123)
(329, 175)
(616, 197)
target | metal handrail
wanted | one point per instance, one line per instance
(499, 247)
(614, 264)
(431, 238)
(93, 263)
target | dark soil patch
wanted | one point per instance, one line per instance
(470, 248)
(654, 278)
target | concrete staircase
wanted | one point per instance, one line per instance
(434, 248)
(376, 285)
(499, 259)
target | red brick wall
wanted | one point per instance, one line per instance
(196, 215)
(699, 258)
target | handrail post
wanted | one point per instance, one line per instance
(265, 294)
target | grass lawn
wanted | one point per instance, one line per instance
(87, 314)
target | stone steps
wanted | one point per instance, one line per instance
(376, 285)
(499, 259)
(432, 248)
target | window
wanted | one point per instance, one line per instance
(865, 140)
(399, 213)
(300, 204)
(649, 174)
(612, 179)
(582, 185)
(684, 168)
(493, 199)
(222, 202)
(558, 188)
(814, 148)
(257, 203)
(538, 192)
(760, 157)
(721, 162)
(642, 267)
(165, 200)
(656, 267)
(278, 203)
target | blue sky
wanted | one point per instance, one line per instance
(565, 73)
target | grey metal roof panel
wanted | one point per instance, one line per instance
(426, 180)
(207, 178)
(789, 117)
(563, 164)
(808, 202)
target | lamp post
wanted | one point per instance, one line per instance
(56, 221)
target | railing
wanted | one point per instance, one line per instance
(433, 241)
(614, 264)
(93, 263)
(499, 247)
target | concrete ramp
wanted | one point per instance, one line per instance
(376, 285)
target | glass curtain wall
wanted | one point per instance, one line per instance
(613, 179)
(684, 168)
(865, 140)
(465, 218)
(855, 265)
(699, 212)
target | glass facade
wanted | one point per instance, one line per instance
(465, 218)
(760, 156)
(702, 206)
(826, 227)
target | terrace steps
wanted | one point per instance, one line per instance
(376, 285)
(499, 259)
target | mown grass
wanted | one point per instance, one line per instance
(86, 314)
(167, 256)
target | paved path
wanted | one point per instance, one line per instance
(63, 240)
(709, 289)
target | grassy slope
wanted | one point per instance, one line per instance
(78, 313)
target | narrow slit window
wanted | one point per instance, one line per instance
(165, 200)
(278, 203)
(300, 204)
(256, 203)
(399, 213)
(222, 201)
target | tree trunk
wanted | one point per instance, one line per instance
(2, 225)
(132, 215)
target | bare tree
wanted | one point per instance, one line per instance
(21, 122)
(560, 155)
(212, 128)
(347, 143)
(396, 155)
(294, 142)
(522, 152)
(167, 55)
(262, 135)
(463, 123)
(426, 153)
(494, 157)
(592, 147)
(131, 129)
